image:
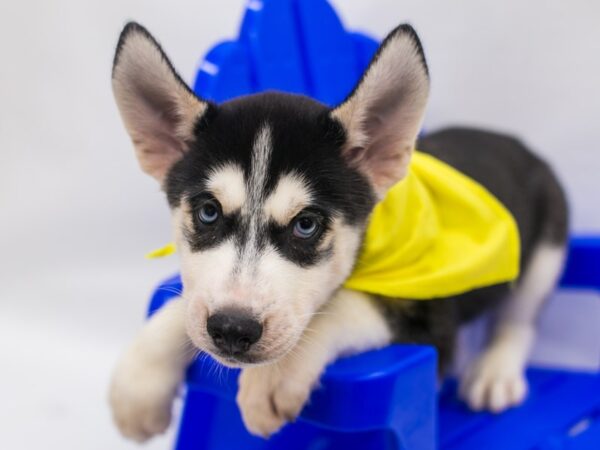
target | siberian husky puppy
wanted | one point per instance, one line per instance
(271, 198)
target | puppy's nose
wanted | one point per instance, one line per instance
(233, 331)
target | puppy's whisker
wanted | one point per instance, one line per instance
(314, 314)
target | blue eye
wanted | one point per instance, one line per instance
(305, 227)
(209, 213)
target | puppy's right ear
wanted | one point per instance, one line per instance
(157, 107)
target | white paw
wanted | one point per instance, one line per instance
(268, 398)
(141, 397)
(495, 382)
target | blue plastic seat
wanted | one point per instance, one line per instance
(388, 398)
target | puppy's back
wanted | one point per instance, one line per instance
(513, 174)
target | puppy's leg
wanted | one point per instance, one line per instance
(273, 394)
(496, 380)
(148, 375)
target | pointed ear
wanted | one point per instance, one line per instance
(383, 115)
(157, 107)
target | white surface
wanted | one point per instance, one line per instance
(60, 334)
(76, 213)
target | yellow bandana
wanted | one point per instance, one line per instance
(437, 233)
(167, 250)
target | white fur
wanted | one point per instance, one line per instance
(289, 197)
(145, 382)
(259, 164)
(148, 375)
(278, 292)
(273, 394)
(496, 379)
(251, 212)
(228, 186)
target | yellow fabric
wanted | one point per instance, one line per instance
(436, 233)
(167, 250)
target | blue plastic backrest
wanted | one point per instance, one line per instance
(297, 46)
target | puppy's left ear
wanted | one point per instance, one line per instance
(383, 115)
(157, 107)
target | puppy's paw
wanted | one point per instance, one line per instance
(141, 397)
(268, 398)
(495, 383)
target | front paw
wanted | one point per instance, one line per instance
(268, 398)
(141, 397)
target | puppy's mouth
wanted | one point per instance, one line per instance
(242, 360)
(236, 361)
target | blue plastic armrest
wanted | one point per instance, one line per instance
(582, 269)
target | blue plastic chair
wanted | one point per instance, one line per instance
(384, 399)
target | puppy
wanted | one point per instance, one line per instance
(271, 198)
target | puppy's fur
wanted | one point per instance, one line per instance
(246, 179)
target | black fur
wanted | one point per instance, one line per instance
(302, 251)
(513, 174)
(526, 186)
(203, 236)
(306, 141)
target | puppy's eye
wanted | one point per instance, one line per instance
(305, 227)
(209, 212)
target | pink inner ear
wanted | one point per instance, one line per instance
(158, 109)
(157, 152)
(355, 156)
(385, 171)
(153, 131)
(383, 168)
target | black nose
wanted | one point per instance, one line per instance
(233, 331)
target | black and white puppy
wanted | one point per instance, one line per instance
(270, 196)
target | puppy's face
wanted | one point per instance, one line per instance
(268, 218)
(269, 193)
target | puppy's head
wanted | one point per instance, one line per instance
(269, 193)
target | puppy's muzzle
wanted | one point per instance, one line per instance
(233, 332)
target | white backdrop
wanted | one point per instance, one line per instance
(76, 214)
